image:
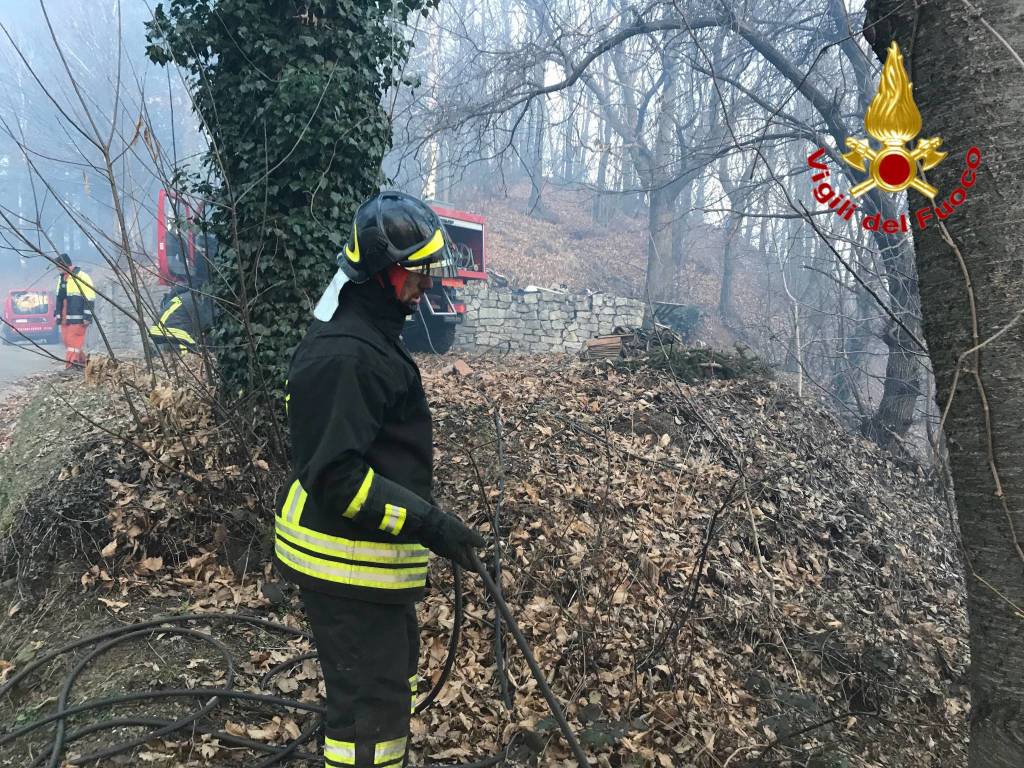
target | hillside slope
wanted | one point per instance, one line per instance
(712, 568)
(710, 574)
(566, 248)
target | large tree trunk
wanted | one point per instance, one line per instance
(853, 350)
(535, 160)
(661, 267)
(680, 228)
(903, 369)
(970, 91)
(535, 169)
(739, 198)
(661, 264)
(895, 413)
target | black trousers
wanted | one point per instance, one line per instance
(368, 654)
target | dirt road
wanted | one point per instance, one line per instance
(18, 361)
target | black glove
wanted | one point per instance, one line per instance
(447, 536)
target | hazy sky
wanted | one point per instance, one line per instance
(47, 167)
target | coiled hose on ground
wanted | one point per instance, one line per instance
(211, 697)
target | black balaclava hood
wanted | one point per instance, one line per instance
(376, 302)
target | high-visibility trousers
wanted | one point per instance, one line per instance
(368, 654)
(73, 336)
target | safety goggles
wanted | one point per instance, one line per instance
(442, 268)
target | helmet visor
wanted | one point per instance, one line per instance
(443, 268)
(434, 257)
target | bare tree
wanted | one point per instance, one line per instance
(677, 91)
(967, 72)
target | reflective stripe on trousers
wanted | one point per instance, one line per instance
(339, 752)
(73, 337)
(385, 753)
(368, 654)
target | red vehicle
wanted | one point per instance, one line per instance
(432, 328)
(179, 241)
(31, 312)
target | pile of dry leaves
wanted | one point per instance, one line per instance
(709, 574)
(715, 574)
(153, 477)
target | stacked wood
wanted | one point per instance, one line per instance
(604, 347)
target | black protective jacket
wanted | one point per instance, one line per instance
(362, 455)
(185, 317)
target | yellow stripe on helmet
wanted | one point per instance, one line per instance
(351, 255)
(436, 244)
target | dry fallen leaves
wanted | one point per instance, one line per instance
(608, 484)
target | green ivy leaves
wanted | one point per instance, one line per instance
(290, 92)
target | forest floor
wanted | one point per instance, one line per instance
(711, 573)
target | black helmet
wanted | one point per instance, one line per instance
(64, 259)
(393, 228)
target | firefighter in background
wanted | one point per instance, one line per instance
(357, 518)
(185, 317)
(73, 310)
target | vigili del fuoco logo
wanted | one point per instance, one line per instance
(893, 120)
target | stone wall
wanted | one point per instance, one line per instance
(121, 331)
(539, 321)
(532, 322)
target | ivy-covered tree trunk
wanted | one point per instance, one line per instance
(290, 94)
(969, 88)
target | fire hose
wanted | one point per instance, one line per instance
(538, 675)
(276, 755)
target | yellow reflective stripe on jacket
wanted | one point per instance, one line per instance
(293, 505)
(414, 682)
(287, 397)
(389, 751)
(175, 303)
(393, 520)
(363, 551)
(343, 752)
(344, 573)
(290, 498)
(174, 333)
(360, 497)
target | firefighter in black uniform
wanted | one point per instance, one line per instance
(185, 316)
(356, 519)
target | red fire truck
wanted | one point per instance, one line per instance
(432, 329)
(180, 245)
